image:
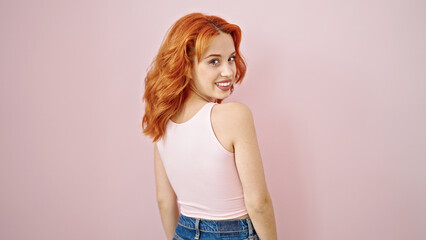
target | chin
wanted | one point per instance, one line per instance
(223, 97)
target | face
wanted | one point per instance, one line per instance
(214, 75)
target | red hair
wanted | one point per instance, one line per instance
(167, 81)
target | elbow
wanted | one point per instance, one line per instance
(166, 201)
(258, 204)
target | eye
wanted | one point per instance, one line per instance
(232, 59)
(214, 61)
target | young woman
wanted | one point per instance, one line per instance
(209, 175)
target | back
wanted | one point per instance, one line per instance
(201, 171)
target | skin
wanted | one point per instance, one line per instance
(234, 127)
(217, 64)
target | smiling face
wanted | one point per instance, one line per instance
(214, 74)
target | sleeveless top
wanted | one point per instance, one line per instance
(201, 171)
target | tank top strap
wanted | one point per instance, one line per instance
(205, 115)
(208, 109)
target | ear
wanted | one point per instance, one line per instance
(189, 74)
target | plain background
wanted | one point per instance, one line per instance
(337, 89)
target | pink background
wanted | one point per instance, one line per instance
(337, 88)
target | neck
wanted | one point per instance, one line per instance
(193, 101)
(193, 93)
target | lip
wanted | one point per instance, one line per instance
(224, 81)
(223, 88)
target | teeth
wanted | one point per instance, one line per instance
(224, 84)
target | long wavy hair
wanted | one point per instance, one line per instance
(168, 78)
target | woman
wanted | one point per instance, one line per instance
(209, 175)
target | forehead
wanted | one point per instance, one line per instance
(221, 44)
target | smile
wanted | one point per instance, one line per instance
(225, 84)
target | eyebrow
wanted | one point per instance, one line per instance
(218, 55)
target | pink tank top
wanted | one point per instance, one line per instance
(201, 171)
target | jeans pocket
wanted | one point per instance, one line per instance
(254, 238)
(177, 237)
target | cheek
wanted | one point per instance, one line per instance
(208, 74)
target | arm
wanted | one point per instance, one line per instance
(250, 169)
(166, 197)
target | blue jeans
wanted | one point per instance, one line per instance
(235, 229)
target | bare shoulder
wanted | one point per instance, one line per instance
(233, 118)
(233, 111)
(233, 114)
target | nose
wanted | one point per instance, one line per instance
(227, 70)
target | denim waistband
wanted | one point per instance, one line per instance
(233, 225)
